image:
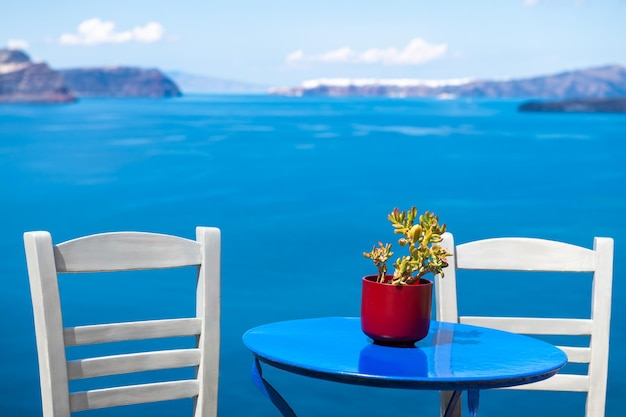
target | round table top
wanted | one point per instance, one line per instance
(452, 356)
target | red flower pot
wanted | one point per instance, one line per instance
(396, 315)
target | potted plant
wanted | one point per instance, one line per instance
(396, 308)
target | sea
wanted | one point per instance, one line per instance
(300, 187)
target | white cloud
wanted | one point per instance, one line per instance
(151, 32)
(17, 44)
(533, 3)
(416, 52)
(95, 31)
(295, 56)
(344, 54)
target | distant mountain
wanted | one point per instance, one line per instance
(590, 105)
(602, 82)
(120, 82)
(22, 81)
(194, 83)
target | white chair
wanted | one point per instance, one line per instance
(525, 254)
(119, 252)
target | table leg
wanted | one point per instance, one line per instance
(269, 391)
(472, 402)
(452, 403)
(284, 408)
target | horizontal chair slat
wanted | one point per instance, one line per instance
(577, 354)
(547, 326)
(559, 382)
(134, 362)
(133, 394)
(126, 251)
(138, 330)
(524, 254)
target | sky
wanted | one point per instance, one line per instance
(285, 42)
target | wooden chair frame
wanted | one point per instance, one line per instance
(526, 254)
(123, 251)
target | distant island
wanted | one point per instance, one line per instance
(601, 82)
(590, 105)
(22, 81)
(120, 82)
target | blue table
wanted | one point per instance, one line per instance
(453, 357)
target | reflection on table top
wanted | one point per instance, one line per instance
(451, 357)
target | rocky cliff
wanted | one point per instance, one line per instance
(22, 81)
(120, 82)
(27, 82)
(602, 82)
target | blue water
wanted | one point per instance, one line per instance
(300, 188)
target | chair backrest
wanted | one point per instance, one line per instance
(526, 254)
(123, 251)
